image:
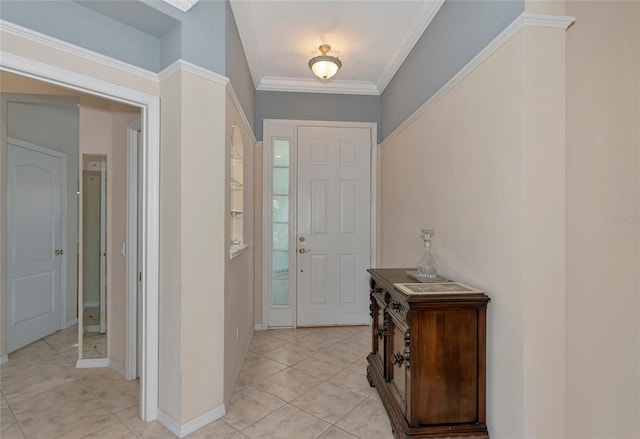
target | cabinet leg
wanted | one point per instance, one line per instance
(371, 383)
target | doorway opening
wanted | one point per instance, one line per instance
(148, 113)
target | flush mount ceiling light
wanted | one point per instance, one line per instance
(324, 66)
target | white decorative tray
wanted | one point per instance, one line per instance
(442, 288)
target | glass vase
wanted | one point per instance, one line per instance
(427, 266)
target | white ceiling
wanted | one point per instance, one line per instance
(372, 38)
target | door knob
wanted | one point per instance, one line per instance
(303, 250)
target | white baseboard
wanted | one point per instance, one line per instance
(85, 363)
(4, 359)
(260, 327)
(182, 430)
(70, 323)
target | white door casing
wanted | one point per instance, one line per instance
(36, 205)
(103, 247)
(334, 219)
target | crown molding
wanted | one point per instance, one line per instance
(55, 43)
(312, 85)
(249, 42)
(523, 20)
(546, 20)
(183, 5)
(186, 66)
(421, 21)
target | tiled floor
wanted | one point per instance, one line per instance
(294, 384)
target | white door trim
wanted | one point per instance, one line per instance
(103, 248)
(130, 249)
(266, 198)
(150, 108)
(63, 218)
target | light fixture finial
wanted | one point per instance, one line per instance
(324, 66)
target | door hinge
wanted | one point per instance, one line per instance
(140, 277)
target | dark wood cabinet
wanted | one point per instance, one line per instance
(428, 359)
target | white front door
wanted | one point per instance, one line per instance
(333, 225)
(35, 202)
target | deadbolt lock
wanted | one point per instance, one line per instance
(302, 239)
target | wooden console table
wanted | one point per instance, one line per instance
(428, 358)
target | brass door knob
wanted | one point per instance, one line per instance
(303, 250)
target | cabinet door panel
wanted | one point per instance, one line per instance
(445, 366)
(399, 370)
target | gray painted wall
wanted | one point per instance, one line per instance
(459, 31)
(147, 34)
(316, 106)
(84, 27)
(237, 68)
(203, 35)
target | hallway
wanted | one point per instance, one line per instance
(298, 383)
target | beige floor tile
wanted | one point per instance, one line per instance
(287, 422)
(321, 365)
(369, 420)
(106, 382)
(249, 405)
(291, 335)
(289, 354)
(32, 380)
(60, 419)
(51, 398)
(288, 384)
(8, 425)
(11, 431)
(318, 341)
(120, 397)
(131, 418)
(336, 433)
(107, 427)
(38, 353)
(354, 377)
(362, 361)
(216, 430)
(265, 344)
(328, 401)
(256, 370)
(362, 338)
(346, 351)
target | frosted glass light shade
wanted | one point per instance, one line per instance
(324, 66)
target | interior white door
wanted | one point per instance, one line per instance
(334, 225)
(35, 246)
